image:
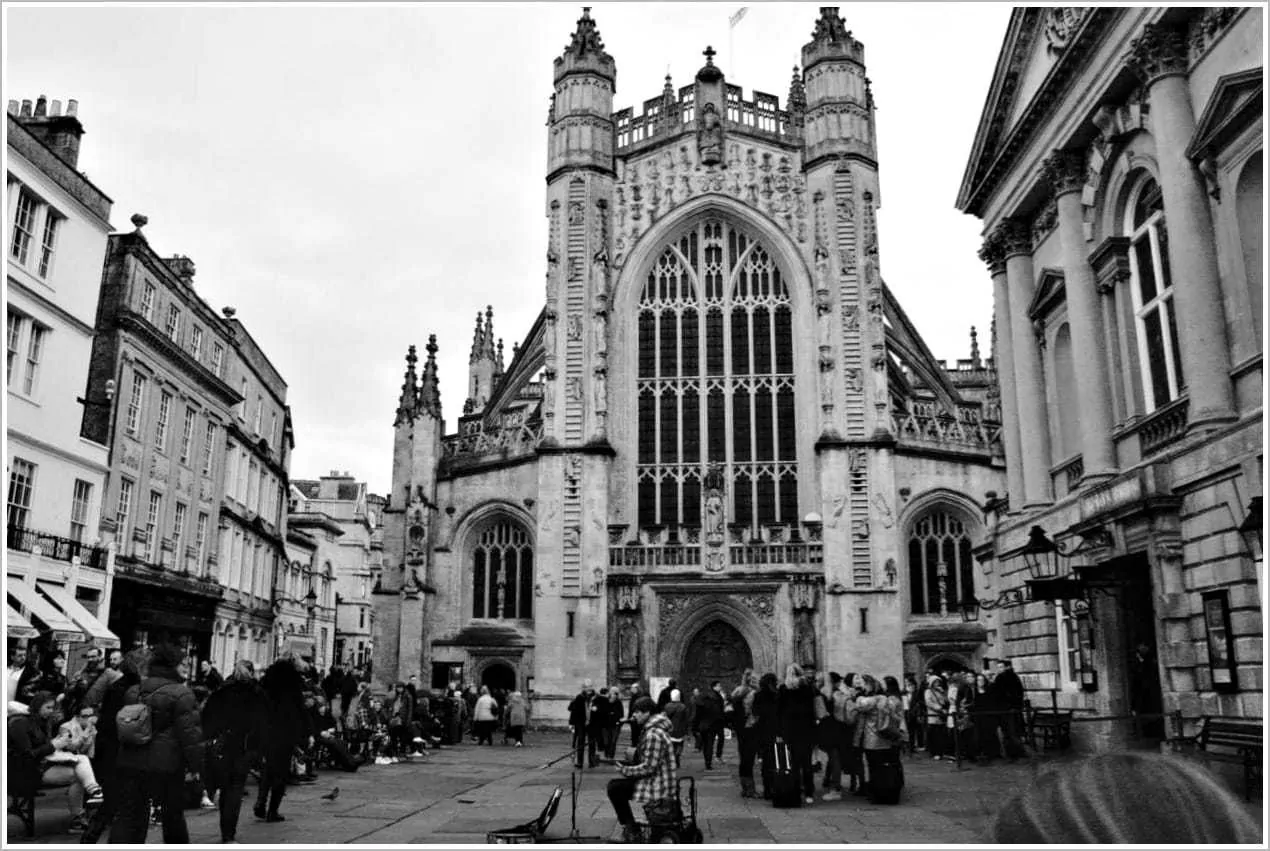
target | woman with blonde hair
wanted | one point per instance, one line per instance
(796, 711)
(1133, 798)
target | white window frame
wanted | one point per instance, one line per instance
(218, 358)
(161, 426)
(260, 406)
(200, 540)
(196, 342)
(136, 403)
(153, 512)
(187, 434)
(242, 406)
(209, 443)
(178, 532)
(1066, 629)
(81, 499)
(1162, 303)
(21, 488)
(123, 507)
(24, 218)
(48, 241)
(34, 354)
(13, 336)
(148, 298)
(173, 327)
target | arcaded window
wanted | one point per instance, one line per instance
(1159, 357)
(716, 380)
(503, 572)
(940, 563)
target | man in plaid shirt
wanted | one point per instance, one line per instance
(651, 775)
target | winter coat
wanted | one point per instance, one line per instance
(97, 690)
(81, 740)
(29, 742)
(517, 711)
(871, 709)
(614, 713)
(112, 700)
(486, 709)
(288, 720)
(796, 713)
(580, 710)
(710, 711)
(936, 706)
(654, 764)
(766, 714)
(176, 743)
(238, 714)
(677, 713)
(1010, 689)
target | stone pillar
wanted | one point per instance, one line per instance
(993, 254)
(1034, 436)
(1065, 171)
(1160, 57)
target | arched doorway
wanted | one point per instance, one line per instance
(499, 676)
(717, 652)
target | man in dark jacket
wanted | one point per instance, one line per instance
(156, 771)
(288, 727)
(106, 747)
(664, 697)
(580, 709)
(1008, 693)
(208, 676)
(236, 724)
(709, 721)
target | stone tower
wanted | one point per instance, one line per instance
(485, 363)
(400, 649)
(575, 454)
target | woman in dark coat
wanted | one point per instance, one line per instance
(766, 727)
(284, 686)
(236, 724)
(796, 710)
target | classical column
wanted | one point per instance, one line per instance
(1034, 435)
(993, 254)
(1065, 172)
(1160, 58)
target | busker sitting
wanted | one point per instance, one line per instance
(650, 774)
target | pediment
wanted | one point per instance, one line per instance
(1050, 292)
(1234, 104)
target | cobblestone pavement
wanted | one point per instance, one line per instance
(459, 794)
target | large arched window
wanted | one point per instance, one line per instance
(1068, 442)
(1159, 357)
(716, 380)
(1249, 210)
(503, 572)
(939, 548)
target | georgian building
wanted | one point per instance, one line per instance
(356, 555)
(1118, 172)
(252, 524)
(304, 590)
(167, 354)
(722, 444)
(59, 562)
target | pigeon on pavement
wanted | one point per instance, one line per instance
(332, 795)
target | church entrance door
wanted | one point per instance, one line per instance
(717, 652)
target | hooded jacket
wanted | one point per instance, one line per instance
(238, 712)
(176, 744)
(654, 764)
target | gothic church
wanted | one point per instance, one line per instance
(722, 444)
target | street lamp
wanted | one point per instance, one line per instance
(310, 601)
(1007, 599)
(1042, 554)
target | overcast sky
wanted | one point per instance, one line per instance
(354, 178)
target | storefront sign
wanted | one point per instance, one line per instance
(1111, 496)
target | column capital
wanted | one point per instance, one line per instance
(993, 253)
(1159, 51)
(1064, 171)
(1015, 235)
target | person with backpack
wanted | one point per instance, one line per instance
(160, 738)
(884, 732)
(106, 748)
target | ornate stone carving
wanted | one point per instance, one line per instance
(1061, 23)
(803, 596)
(1015, 237)
(993, 253)
(885, 515)
(574, 327)
(628, 598)
(860, 529)
(850, 317)
(1045, 222)
(670, 607)
(713, 511)
(1203, 31)
(553, 237)
(1160, 50)
(628, 646)
(763, 606)
(573, 388)
(854, 380)
(710, 136)
(577, 213)
(1064, 171)
(805, 640)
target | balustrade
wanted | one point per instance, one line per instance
(54, 547)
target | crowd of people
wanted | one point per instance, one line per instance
(203, 736)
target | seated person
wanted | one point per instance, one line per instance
(49, 759)
(650, 774)
(324, 730)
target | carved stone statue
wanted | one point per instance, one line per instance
(710, 136)
(628, 646)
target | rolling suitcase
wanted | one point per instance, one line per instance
(786, 784)
(886, 779)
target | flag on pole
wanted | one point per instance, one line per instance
(736, 19)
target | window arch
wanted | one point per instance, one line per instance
(939, 542)
(1159, 356)
(715, 379)
(503, 572)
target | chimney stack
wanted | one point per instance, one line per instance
(13, 108)
(60, 133)
(182, 267)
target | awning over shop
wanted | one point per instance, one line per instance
(61, 627)
(66, 601)
(18, 626)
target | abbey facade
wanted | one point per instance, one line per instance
(722, 444)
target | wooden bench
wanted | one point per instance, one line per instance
(1240, 740)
